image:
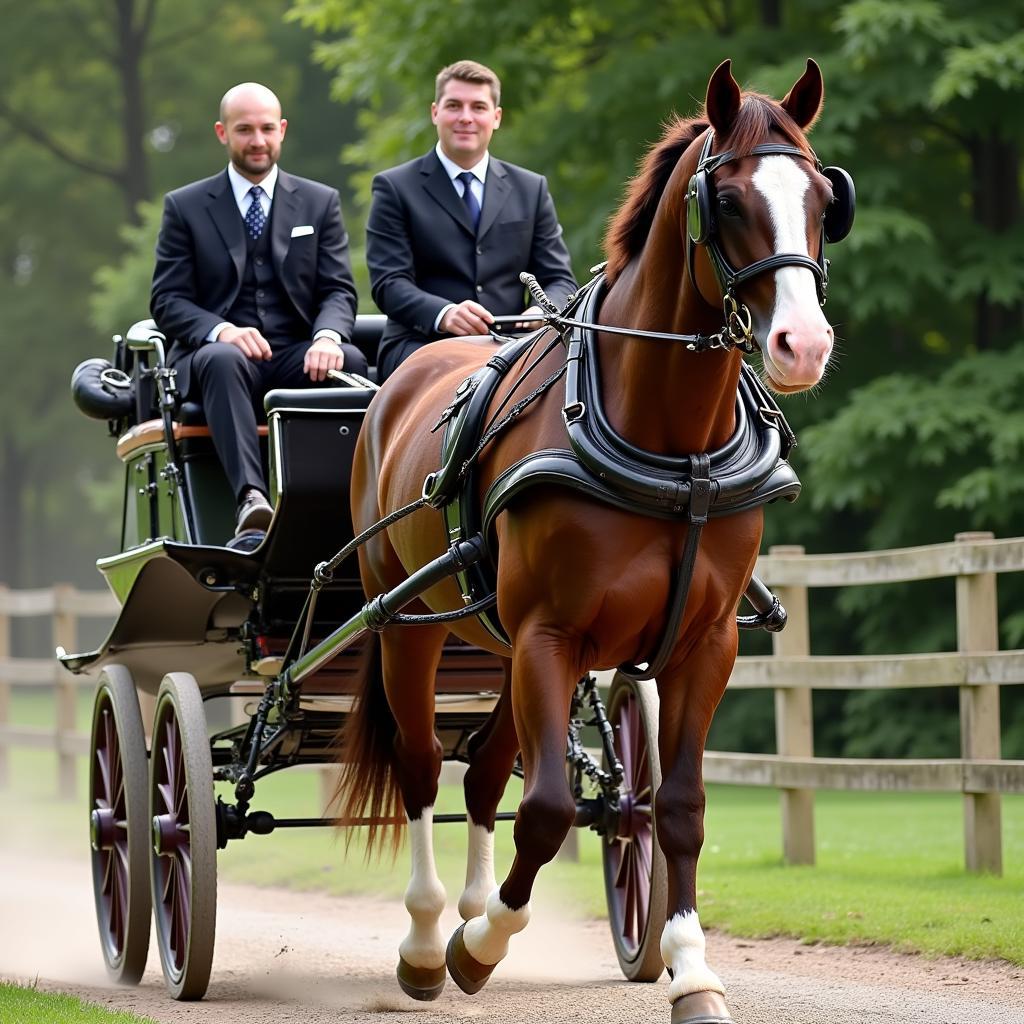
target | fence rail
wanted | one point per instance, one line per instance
(977, 668)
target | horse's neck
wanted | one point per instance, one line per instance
(657, 394)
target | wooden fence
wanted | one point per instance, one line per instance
(978, 668)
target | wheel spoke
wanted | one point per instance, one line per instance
(629, 916)
(166, 797)
(166, 896)
(108, 872)
(623, 864)
(625, 751)
(642, 778)
(103, 755)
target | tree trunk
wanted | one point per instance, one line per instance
(12, 539)
(132, 29)
(771, 13)
(996, 207)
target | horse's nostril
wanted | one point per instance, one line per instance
(782, 345)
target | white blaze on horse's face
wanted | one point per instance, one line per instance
(799, 339)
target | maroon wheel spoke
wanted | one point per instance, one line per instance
(623, 864)
(625, 744)
(105, 752)
(642, 778)
(169, 765)
(108, 873)
(637, 741)
(166, 797)
(184, 886)
(630, 901)
(166, 892)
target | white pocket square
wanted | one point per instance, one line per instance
(302, 229)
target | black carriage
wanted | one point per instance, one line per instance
(201, 620)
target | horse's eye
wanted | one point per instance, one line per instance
(727, 207)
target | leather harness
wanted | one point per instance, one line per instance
(749, 470)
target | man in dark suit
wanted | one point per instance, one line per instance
(253, 284)
(449, 233)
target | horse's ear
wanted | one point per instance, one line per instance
(803, 101)
(723, 100)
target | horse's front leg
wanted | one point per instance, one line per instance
(492, 755)
(542, 683)
(689, 694)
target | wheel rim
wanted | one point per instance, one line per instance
(630, 850)
(108, 831)
(172, 848)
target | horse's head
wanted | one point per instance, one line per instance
(759, 209)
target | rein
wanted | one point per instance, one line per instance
(737, 332)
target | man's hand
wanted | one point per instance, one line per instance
(323, 355)
(527, 324)
(252, 344)
(466, 318)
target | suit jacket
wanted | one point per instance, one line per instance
(422, 252)
(201, 252)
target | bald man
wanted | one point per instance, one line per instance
(253, 284)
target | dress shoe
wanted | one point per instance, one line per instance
(254, 512)
(247, 541)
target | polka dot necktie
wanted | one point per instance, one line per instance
(254, 218)
(466, 177)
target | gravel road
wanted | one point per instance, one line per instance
(283, 956)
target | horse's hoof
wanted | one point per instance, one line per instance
(701, 1008)
(423, 983)
(469, 974)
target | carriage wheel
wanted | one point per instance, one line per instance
(635, 879)
(183, 838)
(118, 826)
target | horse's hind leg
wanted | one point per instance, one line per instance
(411, 655)
(492, 755)
(688, 696)
(542, 684)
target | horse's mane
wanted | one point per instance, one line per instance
(629, 227)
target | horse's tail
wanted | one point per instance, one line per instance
(367, 786)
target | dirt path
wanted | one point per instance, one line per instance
(289, 957)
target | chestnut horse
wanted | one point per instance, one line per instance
(584, 585)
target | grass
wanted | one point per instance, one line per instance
(889, 866)
(29, 1006)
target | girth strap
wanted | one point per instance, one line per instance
(700, 502)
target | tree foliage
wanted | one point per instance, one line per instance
(917, 434)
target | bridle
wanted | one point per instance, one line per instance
(737, 330)
(701, 225)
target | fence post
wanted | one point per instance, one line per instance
(977, 629)
(794, 724)
(5, 687)
(65, 634)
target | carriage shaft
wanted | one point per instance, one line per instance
(377, 613)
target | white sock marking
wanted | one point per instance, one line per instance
(424, 898)
(486, 937)
(682, 948)
(480, 880)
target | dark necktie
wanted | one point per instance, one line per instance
(254, 218)
(472, 206)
